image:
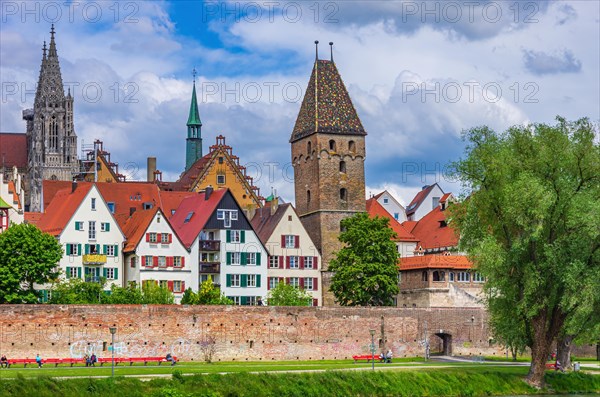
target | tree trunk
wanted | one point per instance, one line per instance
(563, 351)
(514, 351)
(540, 348)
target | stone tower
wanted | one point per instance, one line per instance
(328, 154)
(51, 139)
(193, 148)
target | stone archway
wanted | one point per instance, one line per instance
(446, 345)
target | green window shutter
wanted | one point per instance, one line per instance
(68, 272)
(116, 250)
(78, 249)
(78, 272)
(228, 280)
(97, 248)
(258, 259)
(243, 300)
(104, 271)
(104, 249)
(244, 281)
(107, 227)
(44, 295)
(86, 270)
(258, 281)
(243, 236)
(77, 226)
(69, 249)
(116, 273)
(244, 259)
(229, 258)
(87, 249)
(228, 236)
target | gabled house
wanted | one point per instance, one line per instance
(11, 200)
(293, 256)
(91, 237)
(424, 201)
(391, 205)
(222, 244)
(405, 241)
(154, 252)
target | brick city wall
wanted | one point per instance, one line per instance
(241, 333)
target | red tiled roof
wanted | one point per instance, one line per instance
(16, 201)
(375, 209)
(127, 195)
(409, 225)
(264, 223)
(33, 217)
(445, 197)
(62, 208)
(13, 150)
(202, 210)
(435, 262)
(432, 234)
(189, 177)
(135, 227)
(50, 188)
(418, 199)
(171, 200)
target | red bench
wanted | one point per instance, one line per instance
(23, 361)
(101, 360)
(132, 360)
(368, 358)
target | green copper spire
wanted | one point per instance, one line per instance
(193, 150)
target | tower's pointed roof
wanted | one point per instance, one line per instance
(50, 85)
(327, 107)
(194, 117)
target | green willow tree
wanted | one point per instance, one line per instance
(27, 257)
(530, 225)
(366, 268)
(287, 295)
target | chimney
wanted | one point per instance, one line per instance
(207, 192)
(251, 211)
(73, 186)
(274, 205)
(150, 169)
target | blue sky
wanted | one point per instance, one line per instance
(418, 72)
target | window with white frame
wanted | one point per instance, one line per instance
(236, 300)
(105, 227)
(309, 262)
(162, 261)
(478, 278)
(176, 261)
(92, 230)
(177, 286)
(251, 258)
(236, 236)
(72, 272)
(251, 300)
(294, 282)
(252, 280)
(110, 250)
(164, 238)
(110, 273)
(236, 258)
(220, 179)
(153, 238)
(463, 276)
(308, 283)
(163, 284)
(273, 281)
(294, 262)
(227, 216)
(273, 262)
(386, 200)
(78, 225)
(149, 261)
(235, 280)
(72, 249)
(290, 241)
(451, 277)
(93, 204)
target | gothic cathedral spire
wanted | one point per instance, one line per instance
(51, 139)
(194, 131)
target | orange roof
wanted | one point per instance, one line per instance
(33, 217)
(171, 200)
(135, 227)
(445, 197)
(50, 188)
(435, 262)
(409, 225)
(62, 209)
(375, 209)
(431, 232)
(16, 199)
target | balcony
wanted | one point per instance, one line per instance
(210, 267)
(210, 245)
(94, 259)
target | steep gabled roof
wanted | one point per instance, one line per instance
(200, 210)
(433, 232)
(13, 150)
(327, 107)
(264, 223)
(16, 199)
(135, 226)
(50, 188)
(435, 262)
(62, 208)
(409, 225)
(419, 198)
(375, 209)
(171, 200)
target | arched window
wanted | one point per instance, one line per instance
(332, 145)
(53, 136)
(343, 166)
(309, 148)
(351, 146)
(308, 197)
(424, 275)
(343, 194)
(439, 275)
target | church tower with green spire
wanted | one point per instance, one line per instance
(193, 149)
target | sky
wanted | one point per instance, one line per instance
(418, 72)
